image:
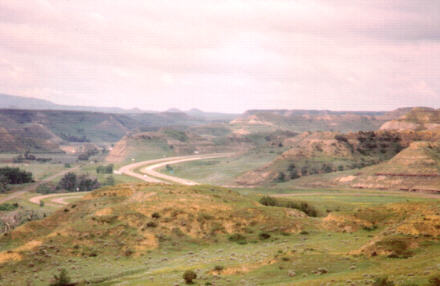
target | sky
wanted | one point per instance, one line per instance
(223, 55)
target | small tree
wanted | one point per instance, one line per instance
(281, 177)
(3, 183)
(189, 276)
(109, 181)
(62, 279)
(68, 182)
(109, 169)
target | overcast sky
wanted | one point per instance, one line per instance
(221, 55)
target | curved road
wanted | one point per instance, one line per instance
(152, 176)
(58, 198)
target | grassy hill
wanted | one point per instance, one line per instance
(147, 234)
(130, 221)
(313, 153)
(416, 168)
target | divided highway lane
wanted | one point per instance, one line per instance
(152, 176)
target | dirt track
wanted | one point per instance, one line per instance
(58, 198)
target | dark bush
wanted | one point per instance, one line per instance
(341, 138)
(268, 201)
(219, 268)
(264, 236)
(155, 215)
(15, 176)
(281, 177)
(105, 169)
(189, 276)
(383, 281)
(304, 207)
(151, 224)
(434, 280)
(237, 237)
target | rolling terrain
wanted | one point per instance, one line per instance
(238, 203)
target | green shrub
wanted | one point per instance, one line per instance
(383, 281)
(8, 207)
(189, 276)
(237, 237)
(268, 201)
(302, 206)
(109, 181)
(219, 268)
(62, 279)
(105, 169)
(46, 188)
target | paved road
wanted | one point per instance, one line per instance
(152, 176)
(33, 186)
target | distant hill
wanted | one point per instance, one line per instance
(212, 116)
(26, 103)
(312, 120)
(39, 130)
(44, 130)
(20, 102)
(418, 118)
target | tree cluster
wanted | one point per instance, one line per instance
(15, 176)
(105, 169)
(77, 183)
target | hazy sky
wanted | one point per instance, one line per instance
(223, 55)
